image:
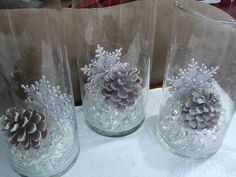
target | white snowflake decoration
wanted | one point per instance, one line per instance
(99, 66)
(50, 100)
(193, 78)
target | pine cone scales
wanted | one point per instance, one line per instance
(122, 86)
(201, 110)
(25, 127)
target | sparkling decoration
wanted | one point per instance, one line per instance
(194, 117)
(49, 100)
(122, 86)
(54, 150)
(118, 82)
(100, 66)
(194, 89)
(182, 137)
(55, 109)
(201, 110)
(106, 118)
(188, 80)
(25, 127)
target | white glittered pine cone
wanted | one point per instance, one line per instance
(122, 86)
(202, 110)
(25, 127)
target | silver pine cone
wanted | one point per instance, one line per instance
(25, 127)
(202, 110)
(122, 86)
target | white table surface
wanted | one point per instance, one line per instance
(140, 154)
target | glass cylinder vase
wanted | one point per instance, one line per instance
(199, 92)
(38, 120)
(116, 43)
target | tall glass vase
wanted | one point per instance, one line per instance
(37, 120)
(199, 92)
(116, 43)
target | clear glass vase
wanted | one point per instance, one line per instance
(116, 43)
(199, 92)
(38, 120)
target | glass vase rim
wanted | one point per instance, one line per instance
(183, 5)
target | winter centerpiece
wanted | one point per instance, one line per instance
(192, 116)
(114, 94)
(41, 131)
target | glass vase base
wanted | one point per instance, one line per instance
(59, 174)
(167, 146)
(114, 134)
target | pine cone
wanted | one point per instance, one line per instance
(122, 86)
(201, 110)
(25, 127)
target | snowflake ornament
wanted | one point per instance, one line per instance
(119, 83)
(99, 66)
(50, 100)
(195, 77)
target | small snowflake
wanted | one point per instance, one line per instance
(193, 78)
(96, 70)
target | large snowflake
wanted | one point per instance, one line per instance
(99, 66)
(194, 77)
(50, 100)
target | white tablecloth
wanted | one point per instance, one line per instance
(140, 154)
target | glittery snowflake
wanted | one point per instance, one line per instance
(97, 69)
(50, 100)
(195, 77)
